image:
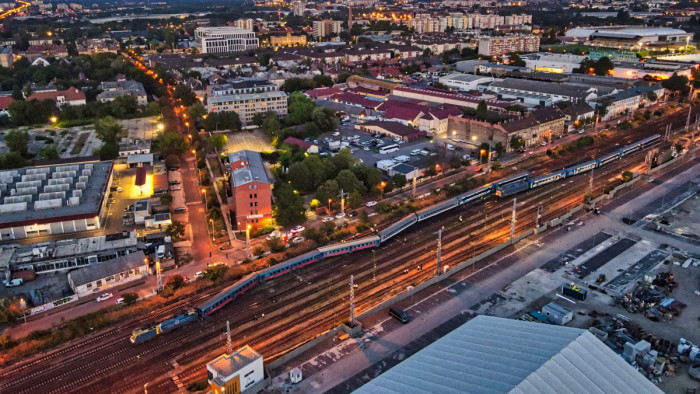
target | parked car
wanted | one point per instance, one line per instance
(327, 219)
(543, 143)
(119, 189)
(119, 301)
(477, 169)
(104, 297)
(198, 274)
(297, 229)
(171, 183)
(298, 240)
(450, 147)
(336, 133)
(340, 216)
(14, 282)
(371, 203)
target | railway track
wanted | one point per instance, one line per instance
(386, 266)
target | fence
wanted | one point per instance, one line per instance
(50, 305)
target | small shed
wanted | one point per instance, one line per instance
(557, 314)
(140, 160)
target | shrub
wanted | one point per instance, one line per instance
(258, 251)
(275, 245)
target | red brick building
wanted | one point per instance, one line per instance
(252, 190)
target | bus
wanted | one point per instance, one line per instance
(388, 149)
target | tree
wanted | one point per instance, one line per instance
(218, 141)
(300, 108)
(222, 121)
(130, 298)
(348, 182)
(196, 110)
(107, 151)
(676, 83)
(328, 191)
(399, 180)
(166, 199)
(517, 142)
(603, 66)
(651, 96)
(49, 152)
(325, 119)
(271, 125)
(175, 281)
(176, 229)
(342, 77)
(515, 60)
(499, 148)
(427, 52)
(323, 80)
(300, 177)
(289, 206)
(627, 176)
(171, 143)
(17, 141)
(109, 130)
(184, 95)
(482, 112)
(17, 93)
(355, 199)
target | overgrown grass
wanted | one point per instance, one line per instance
(80, 143)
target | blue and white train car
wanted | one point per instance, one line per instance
(545, 179)
(436, 209)
(177, 321)
(515, 178)
(387, 233)
(608, 158)
(143, 334)
(227, 295)
(575, 170)
(473, 195)
(289, 265)
(349, 247)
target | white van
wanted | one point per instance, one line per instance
(161, 252)
(415, 152)
(14, 282)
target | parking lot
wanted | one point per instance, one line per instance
(367, 153)
(244, 140)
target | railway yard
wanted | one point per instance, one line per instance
(278, 315)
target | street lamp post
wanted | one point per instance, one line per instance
(23, 305)
(329, 206)
(247, 241)
(206, 203)
(213, 238)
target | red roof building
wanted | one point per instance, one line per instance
(70, 96)
(322, 92)
(391, 129)
(5, 102)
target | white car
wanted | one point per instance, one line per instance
(543, 143)
(297, 229)
(327, 219)
(119, 189)
(340, 216)
(450, 147)
(371, 203)
(104, 297)
(336, 133)
(366, 148)
(298, 240)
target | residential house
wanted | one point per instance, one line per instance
(70, 96)
(114, 89)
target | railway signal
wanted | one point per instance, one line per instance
(439, 251)
(352, 301)
(512, 223)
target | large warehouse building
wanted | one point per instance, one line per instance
(53, 199)
(496, 355)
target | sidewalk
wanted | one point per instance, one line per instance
(433, 310)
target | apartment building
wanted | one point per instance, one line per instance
(224, 39)
(287, 40)
(252, 190)
(326, 28)
(247, 98)
(496, 46)
(488, 21)
(244, 24)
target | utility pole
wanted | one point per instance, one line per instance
(667, 135)
(352, 302)
(512, 222)
(413, 191)
(590, 189)
(342, 202)
(539, 216)
(439, 252)
(159, 276)
(228, 338)
(374, 264)
(687, 121)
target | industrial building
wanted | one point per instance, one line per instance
(552, 62)
(238, 372)
(631, 37)
(391, 129)
(252, 190)
(247, 97)
(464, 82)
(54, 199)
(112, 273)
(56, 256)
(224, 39)
(495, 355)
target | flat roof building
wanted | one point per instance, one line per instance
(495, 355)
(247, 97)
(224, 39)
(54, 199)
(100, 277)
(238, 372)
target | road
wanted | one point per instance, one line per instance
(15, 10)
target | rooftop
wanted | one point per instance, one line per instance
(465, 77)
(253, 172)
(542, 87)
(45, 194)
(227, 364)
(495, 355)
(92, 273)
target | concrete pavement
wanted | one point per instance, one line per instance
(435, 308)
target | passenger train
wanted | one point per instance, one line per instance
(502, 187)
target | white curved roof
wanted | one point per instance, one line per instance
(582, 32)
